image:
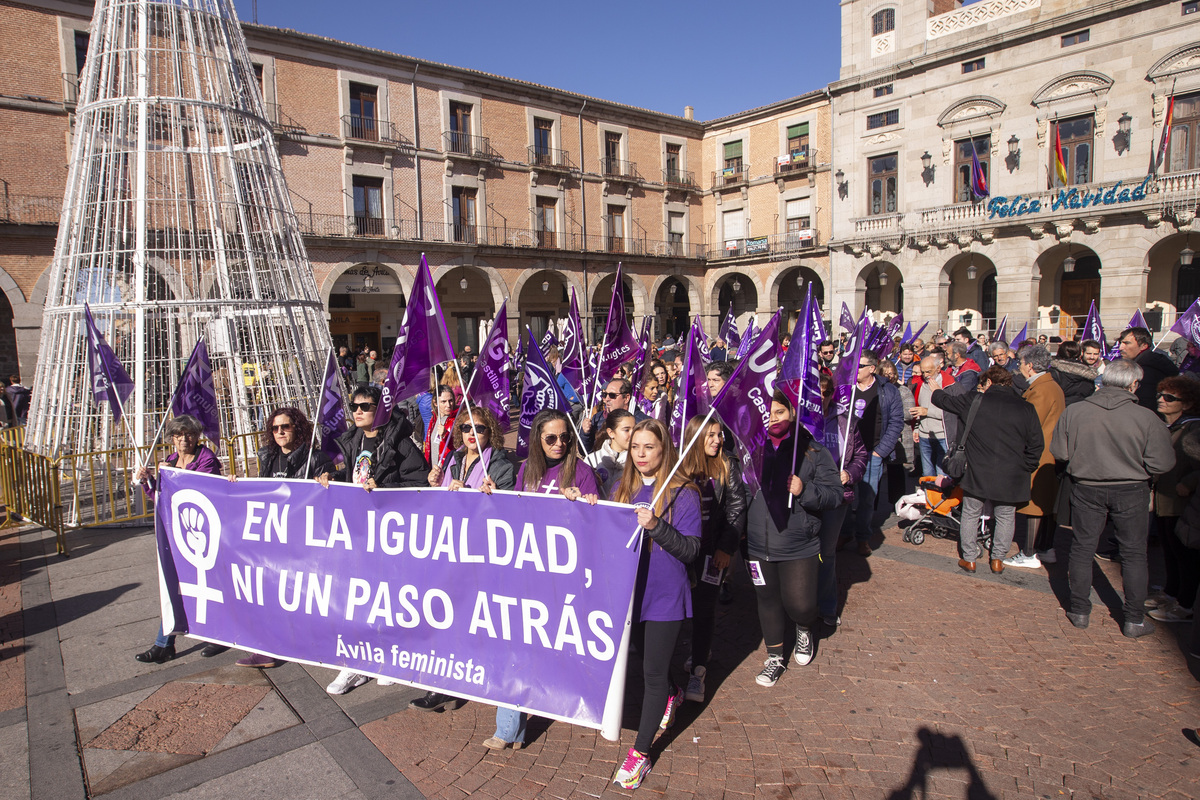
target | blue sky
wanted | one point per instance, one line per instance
(720, 57)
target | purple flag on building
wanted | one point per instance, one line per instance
(1001, 331)
(422, 342)
(196, 393)
(331, 411)
(800, 371)
(489, 386)
(744, 405)
(747, 339)
(110, 382)
(729, 331)
(619, 344)
(1092, 329)
(847, 320)
(693, 396)
(541, 391)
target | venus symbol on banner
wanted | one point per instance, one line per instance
(197, 534)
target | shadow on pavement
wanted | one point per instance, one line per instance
(66, 610)
(939, 751)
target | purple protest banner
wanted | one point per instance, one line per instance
(111, 384)
(572, 348)
(744, 405)
(331, 411)
(422, 342)
(729, 331)
(1092, 329)
(1001, 331)
(747, 339)
(540, 391)
(510, 599)
(489, 386)
(693, 397)
(196, 393)
(847, 319)
(801, 370)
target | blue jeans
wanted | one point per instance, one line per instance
(827, 593)
(933, 450)
(510, 724)
(163, 640)
(865, 492)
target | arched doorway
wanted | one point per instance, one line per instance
(972, 292)
(366, 305)
(1171, 282)
(883, 287)
(674, 308)
(466, 297)
(544, 299)
(9, 364)
(602, 298)
(1070, 282)
(793, 290)
(737, 291)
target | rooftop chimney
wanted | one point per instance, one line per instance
(943, 6)
(689, 112)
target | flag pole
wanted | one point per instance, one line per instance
(658, 491)
(471, 418)
(317, 416)
(117, 395)
(849, 415)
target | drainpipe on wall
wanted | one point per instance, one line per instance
(832, 206)
(587, 299)
(416, 150)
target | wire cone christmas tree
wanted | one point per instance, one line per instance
(176, 225)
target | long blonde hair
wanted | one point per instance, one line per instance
(631, 480)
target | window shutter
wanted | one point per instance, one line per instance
(797, 208)
(676, 223)
(735, 224)
(797, 130)
(733, 150)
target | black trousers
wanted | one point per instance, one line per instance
(1125, 505)
(658, 644)
(789, 594)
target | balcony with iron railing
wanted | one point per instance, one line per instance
(359, 128)
(283, 125)
(730, 177)
(17, 209)
(680, 179)
(464, 145)
(615, 169)
(796, 163)
(778, 245)
(550, 159)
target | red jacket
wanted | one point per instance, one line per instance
(919, 380)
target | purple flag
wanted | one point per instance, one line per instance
(408, 584)
(744, 405)
(1001, 330)
(110, 382)
(422, 342)
(489, 385)
(541, 391)
(887, 341)
(196, 393)
(642, 363)
(845, 375)
(693, 397)
(1136, 321)
(701, 339)
(573, 358)
(1092, 329)
(729, 331)
(1022, 336)
(801, 370)
(747, 339)
(619, 345)
(549, 340)
(908, 335)
(1187, 326)
(847, 320)
(331, 411)
(917, 335)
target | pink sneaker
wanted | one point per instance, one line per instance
(633, 771)
(673, 703)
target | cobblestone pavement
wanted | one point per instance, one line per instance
(937, 684)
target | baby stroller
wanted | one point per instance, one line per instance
(942, 498)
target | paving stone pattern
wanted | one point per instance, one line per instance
(12, 625)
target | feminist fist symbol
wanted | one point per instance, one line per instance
(197, 534)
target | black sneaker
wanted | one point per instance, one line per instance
(805, 647)
(1136, 629)
(773, 669)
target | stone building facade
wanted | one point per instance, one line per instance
(925, 84)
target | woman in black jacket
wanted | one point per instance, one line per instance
(723, 513)
(1003, 449)
(784, 539)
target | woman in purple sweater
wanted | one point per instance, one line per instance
(662, 597)
(184, 433)
(553, 467)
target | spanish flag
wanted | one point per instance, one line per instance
(1060, 168)
(1165, 141)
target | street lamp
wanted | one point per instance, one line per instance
(972, 272)
(545, 287)
(737, 285)
(927, 168)
(1069, 263)
(462, 283)
(883, 277)
(1185, 256)
(1014, 153)
(368, 282)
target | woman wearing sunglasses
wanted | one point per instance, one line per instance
(1178, 397)
(723, 500)
(373, 459)
(553, 467)
(662, 596)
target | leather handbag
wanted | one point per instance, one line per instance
(955, 463)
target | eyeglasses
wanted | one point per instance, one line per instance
(364, 407)
(612, 395)
(865, 366)
(554, 438)
(284, 428)
(478, 428)
(1170, 398)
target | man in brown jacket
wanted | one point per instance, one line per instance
(1048, 400)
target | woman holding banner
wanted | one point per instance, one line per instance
(553, 467)
(723, 504)
(609, 459)
(783, 535)
(184, 433)
(668, 510)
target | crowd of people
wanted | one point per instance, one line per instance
(1066, 455)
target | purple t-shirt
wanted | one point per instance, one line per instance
(585, 480)
(667, 594)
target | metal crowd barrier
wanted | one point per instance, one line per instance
(91, 489)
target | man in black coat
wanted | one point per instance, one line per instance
(1003, 446)
(1136, 344)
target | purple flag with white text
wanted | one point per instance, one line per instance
(747, 339)
(1092, 329)
(693, 396)
(110, 382)
(620, 345)
(196, 393)
(489, 385)
(1187, 324)
(573, 358)
(423, 341)
(847, 319)
(701, 339)
(331, 411)
(729, 331)
(744, 405)
(887, 341)
(541, 391)
(800, 371)
(549, 340)
(845, 374)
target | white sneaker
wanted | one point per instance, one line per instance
(1176, 613)
(772, 670)
(695, 687)
(1022, 560)
(385, 682)
(1160, 599)
(1047, 556)
(345, 681)
(805, 647)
